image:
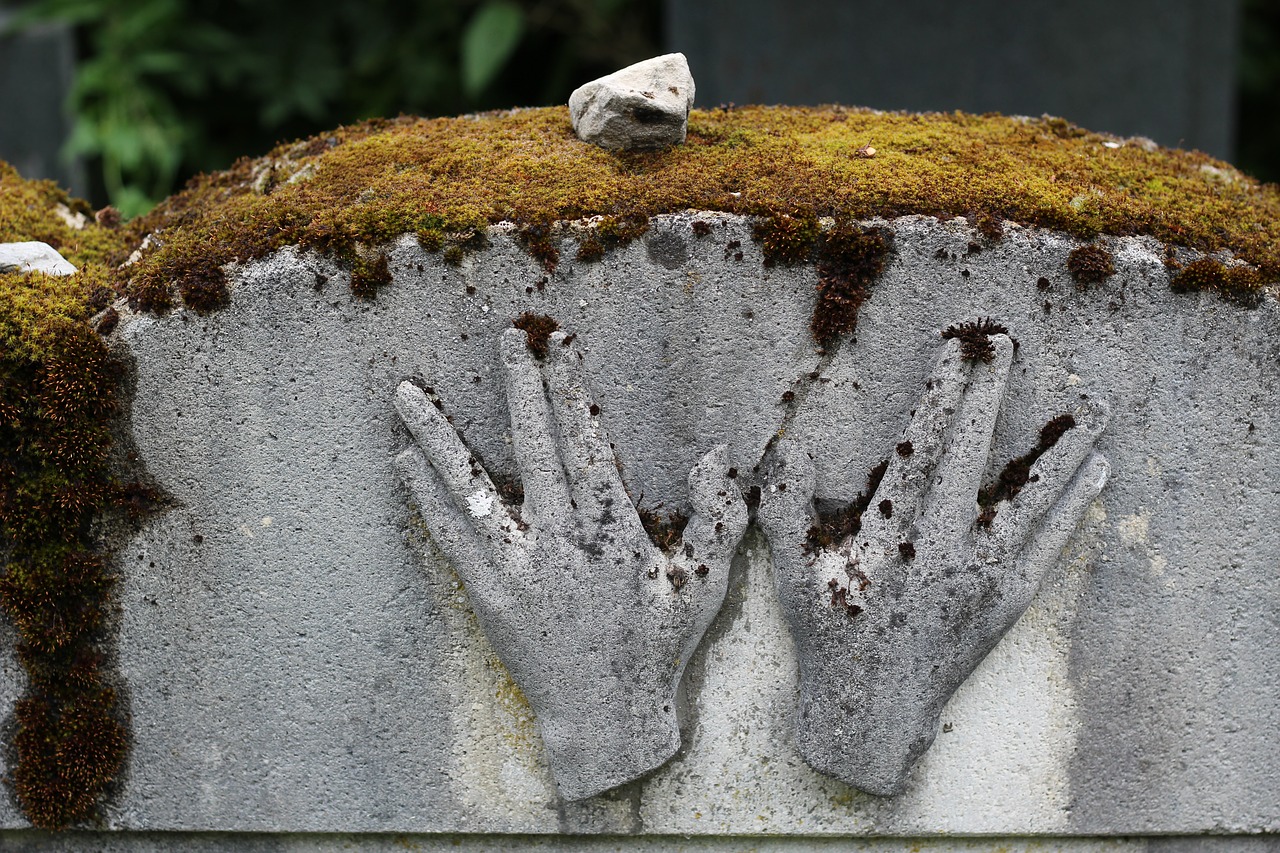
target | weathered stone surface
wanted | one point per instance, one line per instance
(33, 256)
(645, 105)
(168, 842)
(573, 553)
(925, 581)
(300, 657)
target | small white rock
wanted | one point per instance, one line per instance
(33, 257)
(645, 105)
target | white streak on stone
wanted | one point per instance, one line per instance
(480, 504)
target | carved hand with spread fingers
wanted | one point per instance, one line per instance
(891, 611)
(593, 622)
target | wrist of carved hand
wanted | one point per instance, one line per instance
(865, 735)
(600, 742)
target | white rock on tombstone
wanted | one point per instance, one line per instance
(33, 256)
(645, 105)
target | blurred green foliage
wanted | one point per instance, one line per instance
(165, 89)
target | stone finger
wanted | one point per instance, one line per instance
(589, 462)
(952, 504)
(452, 533)
(546, 493)
(901, 495)
(1049, 477)
(1046, 544)
(720, 515)
(468, 484)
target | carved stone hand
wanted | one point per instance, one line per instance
(890, 621)
(594, 623)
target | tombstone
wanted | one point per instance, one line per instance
(1165, 70)
(757, 491)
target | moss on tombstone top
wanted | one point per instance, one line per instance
(445, 179)
(347, 192)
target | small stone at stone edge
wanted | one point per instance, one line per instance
(645, 105)
(33, 257)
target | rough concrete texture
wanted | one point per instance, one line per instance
(300, 657)
(174, 842)
(594, 623)
(890, 620)
(645, 105)
(33, 256)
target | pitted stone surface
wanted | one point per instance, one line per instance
(301, 658)
(574, 554)
(889, 619)
(33, 256)
(645, 105)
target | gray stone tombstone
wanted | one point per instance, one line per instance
(1164, 69)
(303, 655)
(999, 562)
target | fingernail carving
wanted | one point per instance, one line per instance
(594, 623)
(893, 603)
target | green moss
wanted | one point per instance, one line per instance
(57, 394)
(790, 166)
(611, 232)
(368, 274)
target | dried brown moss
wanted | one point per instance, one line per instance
(1015, 474)
(1243, 285)
(1090, 265)
(537, 329)
(975, 339)
(838, 523)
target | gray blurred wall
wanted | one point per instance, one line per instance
(1158, 68)
(36, 68)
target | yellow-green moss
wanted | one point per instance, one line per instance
(791, 166)
(57, 393)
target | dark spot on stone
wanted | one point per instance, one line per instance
(538, 329)
(886, 508)
(664, 530)
(667, 248)
(907, 550)
(594, 410)
(975, 342)
(701, 229)
(905, 449)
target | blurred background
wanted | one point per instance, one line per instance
(123, 100)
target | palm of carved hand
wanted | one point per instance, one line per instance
(889, 622)
(593, 622)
